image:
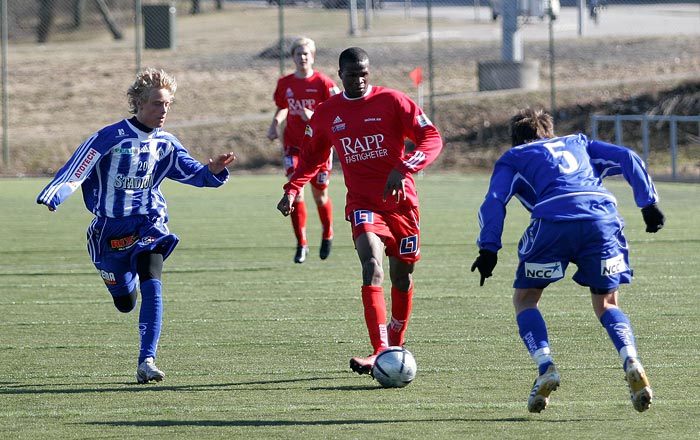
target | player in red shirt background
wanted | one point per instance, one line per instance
(368, 125)
(296, 96)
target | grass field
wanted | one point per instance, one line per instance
(256, 347)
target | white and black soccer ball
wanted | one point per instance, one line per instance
(394, 367)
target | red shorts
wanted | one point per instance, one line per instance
(322, 177)
(399, 230)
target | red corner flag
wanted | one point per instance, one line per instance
(416, 75)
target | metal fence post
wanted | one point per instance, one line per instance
(5, 99)
(674, 146)
(352, 11)
(618, 131)
(430, 59)
(138, 36)
(280, 22)
(645, 138)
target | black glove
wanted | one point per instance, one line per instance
(653, 217)
(485, 262)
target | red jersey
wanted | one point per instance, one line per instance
(295, 94)
(368, 134)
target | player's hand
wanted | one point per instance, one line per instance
(395, 185)
(653, 217)
(218, 164)
(485, 262)
(286, 204)
(272, 132)
(306, 114)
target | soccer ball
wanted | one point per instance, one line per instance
(394, 367)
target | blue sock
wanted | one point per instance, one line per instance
(620, 331)
(533, 332)
(150, 317)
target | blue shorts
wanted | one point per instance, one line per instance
(597, 247)
(113, 245)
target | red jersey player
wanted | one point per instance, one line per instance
(296, 96)
(367, 125)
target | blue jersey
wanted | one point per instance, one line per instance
(560, 179)
(120, 169)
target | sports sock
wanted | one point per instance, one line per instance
(325, 213)
(620, 331)
(299, 222)
(533, 332)
(150, 317)
(375, 316)
(401, 304)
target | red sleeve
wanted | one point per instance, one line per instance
(330, 88)
(278, 96)
(315, 150)
(419, 129)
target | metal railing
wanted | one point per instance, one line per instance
(672, 120)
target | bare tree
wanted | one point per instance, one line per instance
(46, 15)
(109, 20)
(78, 9)
(195, 7)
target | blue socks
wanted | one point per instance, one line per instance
(620, 331)
(533, 332)
(150, 317)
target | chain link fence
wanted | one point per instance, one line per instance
(68, 63)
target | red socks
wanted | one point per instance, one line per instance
(375, 316)
(401, 304)
(299, 222)
(325, 213)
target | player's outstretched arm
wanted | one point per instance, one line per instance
(280, 115)
(219, 163)
(286, 204)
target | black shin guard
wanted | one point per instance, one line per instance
(149, 266)
(125, 303)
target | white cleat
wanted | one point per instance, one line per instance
(542, 388)
(148, 371)
(640, 390)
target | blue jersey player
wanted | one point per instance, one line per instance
(120, 169)
(574, 220)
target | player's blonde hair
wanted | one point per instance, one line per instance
(147, 80)
(300, 42)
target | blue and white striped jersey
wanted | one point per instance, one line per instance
(120, 169)
(560, 179)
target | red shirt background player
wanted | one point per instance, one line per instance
(367, 125)
(296, 96)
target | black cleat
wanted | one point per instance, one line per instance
(302, 252)
(325, 248)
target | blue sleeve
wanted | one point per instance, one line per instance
(505, 183)
(74, 172)
(186, 169)
(610, 160)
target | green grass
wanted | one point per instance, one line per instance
(255, 346)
